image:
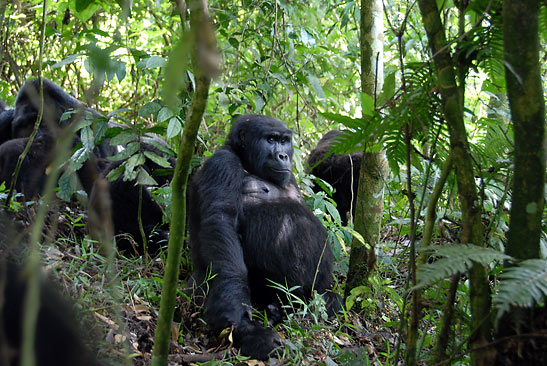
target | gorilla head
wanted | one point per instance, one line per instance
(264, 145)
(27, 105)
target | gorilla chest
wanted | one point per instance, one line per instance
(276, 225)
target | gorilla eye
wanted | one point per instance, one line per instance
(271, 139)
(285, 140)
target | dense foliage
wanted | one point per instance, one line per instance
(299, 62)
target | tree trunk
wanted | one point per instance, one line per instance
(525, 93)
(203, 42)
(473, 230)
(370, 194)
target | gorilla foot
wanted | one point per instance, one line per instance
(255, 341)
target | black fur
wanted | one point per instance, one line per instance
(336, 169)
(247, 223)
(6, 118)
(58, 339)
(124, 194)
(32, 174)
(56, 103)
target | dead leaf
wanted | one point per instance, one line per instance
(110, 323)
(255, 363)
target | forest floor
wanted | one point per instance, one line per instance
(119, 308)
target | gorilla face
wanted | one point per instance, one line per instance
(273, 154)
(264, 145)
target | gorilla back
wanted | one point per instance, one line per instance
(248, 223)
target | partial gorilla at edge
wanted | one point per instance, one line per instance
(58, 338)
(248, 223)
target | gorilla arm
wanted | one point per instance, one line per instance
(215, 208)
(216, 249)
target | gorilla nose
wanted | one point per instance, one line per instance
(283, 157)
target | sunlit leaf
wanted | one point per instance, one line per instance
(68, 60)
(174, 128)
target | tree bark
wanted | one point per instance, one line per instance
(203, 41)
(370, 194)
(525, 94)
(473, 230)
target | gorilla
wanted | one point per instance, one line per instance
(56, 103)
(249, 225)
(32, 174)
(337, 169)
(124, 194)
(58, 340)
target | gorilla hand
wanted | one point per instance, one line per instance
(255, 341)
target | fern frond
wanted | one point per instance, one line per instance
(522, 286)
(456, 258)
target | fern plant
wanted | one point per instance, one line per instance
(455, 258)
(522, 286)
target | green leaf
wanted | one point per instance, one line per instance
(164, 114)
(174, 128)
(82, 5)
(66, 61)
(68, 183)
(149, 108)
(161, 161)
(233, 42)
(345, 120)
(100, 128)
(333, 211)
(115, 173)
(133, 162)
(151, 62)
(123, 137)
(78, 158)
(456, 258)
(145, 179)
(522, 286)
(86, 134)
(367, 104)
(316, 86)
(131, 149)
(119, 70)
(175, 70)
(161, 147)
(389, 89)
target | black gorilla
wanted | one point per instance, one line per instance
(58, 341)
(32, 174)
(125, 194)
(27, 105)
(56, 103)
(337, 169)
(248, 223)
